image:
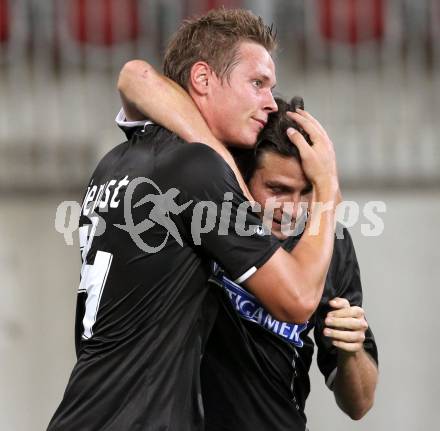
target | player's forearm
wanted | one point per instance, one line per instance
(355, 383)
(290, 285)
(315, 249)
(300, 278)
(148, 94)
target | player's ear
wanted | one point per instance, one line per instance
(200, 77)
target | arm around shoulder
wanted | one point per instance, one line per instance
(137, 81)
(282, 286)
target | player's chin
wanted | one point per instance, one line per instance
(276, 231)
(246, 139)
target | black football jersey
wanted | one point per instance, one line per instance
(151, 225)
(255, 371)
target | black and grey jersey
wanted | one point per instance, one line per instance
(151, 224)
(255, 371)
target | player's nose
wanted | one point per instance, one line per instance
(292, 206)
(270, 104)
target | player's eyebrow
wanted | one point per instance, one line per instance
(266, 78)
(307, 189)
(280, 185)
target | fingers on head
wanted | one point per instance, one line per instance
(311, 118)
(298, 139)
(306, 124)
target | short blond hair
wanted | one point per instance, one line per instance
(214, 38)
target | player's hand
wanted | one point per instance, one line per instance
(319, 160)
(346, 325)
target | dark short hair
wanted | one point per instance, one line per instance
(273, 138)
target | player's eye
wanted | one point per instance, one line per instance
(257, 83)
(276, 190)
(308, 189)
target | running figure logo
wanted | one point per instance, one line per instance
(164, 205)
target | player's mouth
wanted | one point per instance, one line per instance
(277, 222)
(260, 121)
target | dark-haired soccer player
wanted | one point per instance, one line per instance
(255, 368)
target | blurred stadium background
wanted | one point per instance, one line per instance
(368, 69)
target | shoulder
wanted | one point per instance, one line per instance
(177, 156)
(179, 153)
(198, 167)
(109, 160)
(343, 247)
(200, 157)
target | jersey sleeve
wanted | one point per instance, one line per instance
(345, 277)
(220, 221)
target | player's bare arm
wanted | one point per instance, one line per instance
(357, 373)
(145, 93)
(297, 279)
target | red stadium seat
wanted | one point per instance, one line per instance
(103, 22)
(4, 21)
(352, 21)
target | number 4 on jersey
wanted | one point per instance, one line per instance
(93, 277)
